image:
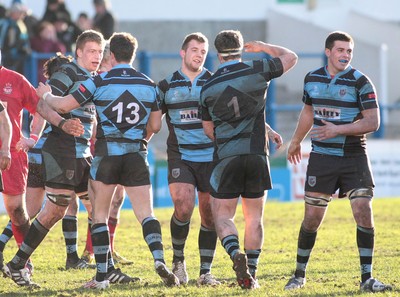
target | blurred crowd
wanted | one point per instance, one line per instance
(22, 33)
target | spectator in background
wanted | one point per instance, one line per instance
(67, 31)
(45, 41)
(83, 22)
(30, 20)
(53, 8)
(103, 20)
(15, 43)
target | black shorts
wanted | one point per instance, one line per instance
(66, 173)
(129, 170)
(245, 175)
(194, 173)
(326, 174)
(35, 176)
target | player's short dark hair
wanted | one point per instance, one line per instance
(54, 63)
(229, 43)
(337, 36)
(123, 45)
(200, 37)
(88, 36)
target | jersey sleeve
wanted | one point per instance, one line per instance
(29, 97)
(162, 88)
(157, 103)
(366, 93)
(85, 91)
(306, 97)
(61, 81)
(273, 68)
(203, 109)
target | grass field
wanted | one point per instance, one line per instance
(333, 269)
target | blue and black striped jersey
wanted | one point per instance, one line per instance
(234, 99)
(180, 102)
(124, 99)
(340, 100)
(63, 82)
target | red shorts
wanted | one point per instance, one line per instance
(14, 179)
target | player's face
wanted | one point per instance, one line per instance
(339, 57)
(89, 57)
(194, 56)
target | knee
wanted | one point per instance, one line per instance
(311, 225)
(18, 215)
(255, 224)
(183, 209)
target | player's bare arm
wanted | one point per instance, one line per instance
(60, 104)
(208, 127)
(288, 57)
(274, 136)
(70, 126)
(154, 123)
(38, 125)
(304, 125)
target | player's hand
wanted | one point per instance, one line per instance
(42, 89)
(275, 138)
(5, 159)
(24, 144)
(329, 130)
(254, 46)
(294, 153)
(73, 127)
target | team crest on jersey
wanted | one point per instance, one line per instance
(312, 180)
(8, 89)
(176, 172)
(177, 96)
(70, 174)
(191, 115)
(342, 92)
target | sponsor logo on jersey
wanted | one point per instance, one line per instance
(225, 71)
(176, 172)
(327, 113)
(312, 180)
(8, 89)
(191, 115)
(124, 73)
(89, 109)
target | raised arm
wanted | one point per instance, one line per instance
(288, 57)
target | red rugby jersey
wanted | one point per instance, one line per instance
(16, 93)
